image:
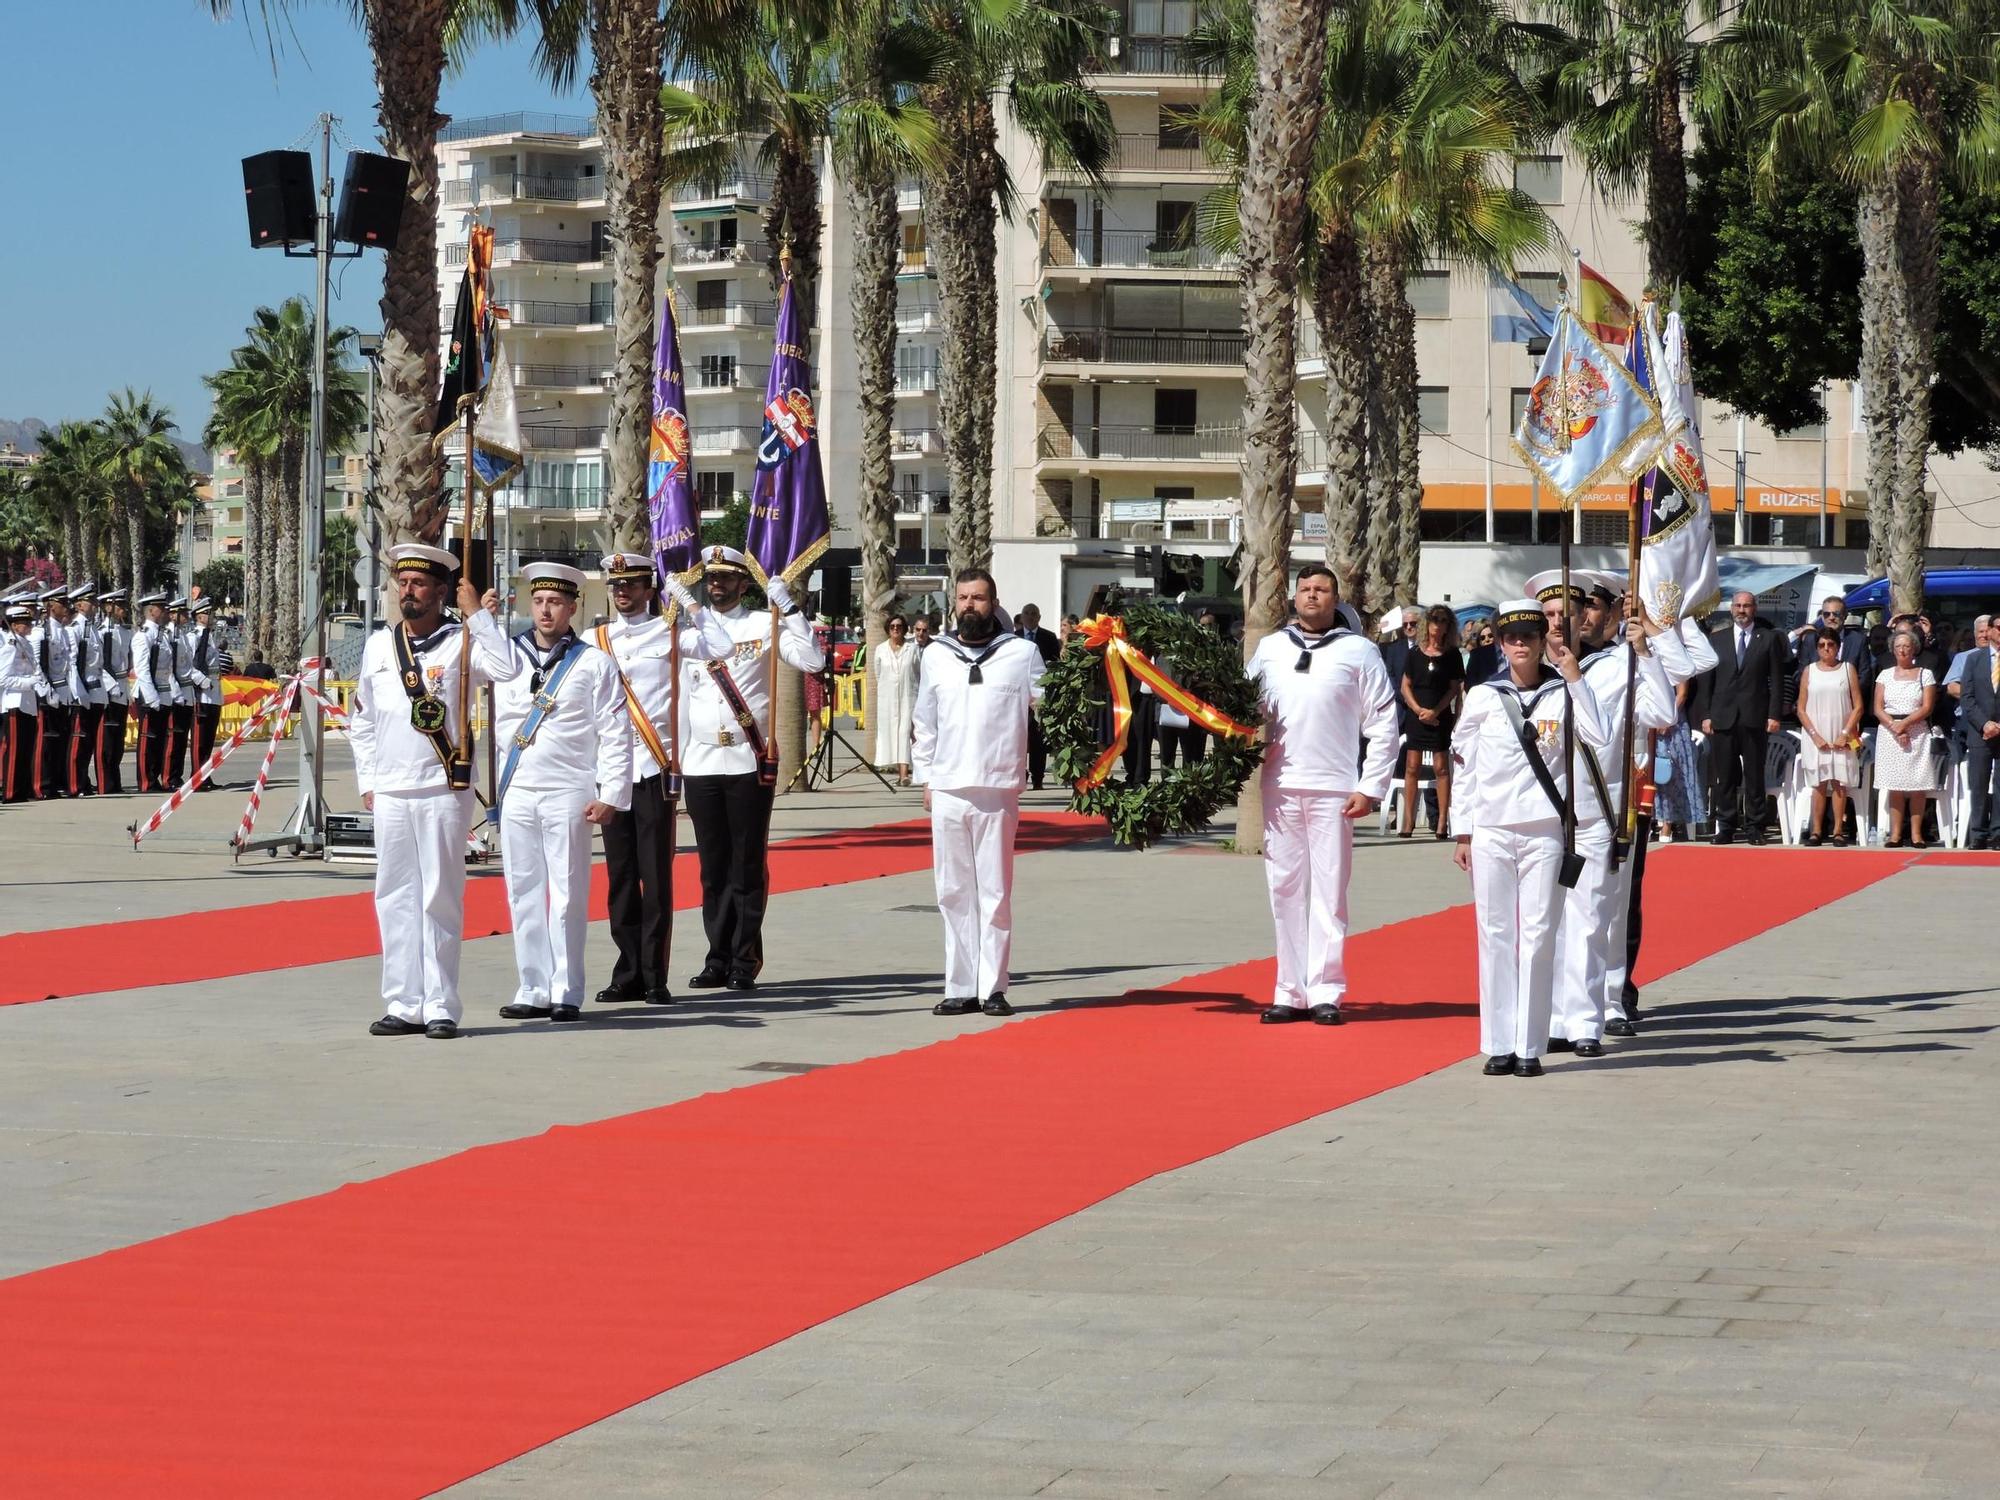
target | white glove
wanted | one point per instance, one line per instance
(779, 595)
(677, 591)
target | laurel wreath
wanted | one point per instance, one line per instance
(1075, 699)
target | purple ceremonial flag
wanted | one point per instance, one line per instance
(789, 528)
(676, 528)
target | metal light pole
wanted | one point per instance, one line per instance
(370, 345)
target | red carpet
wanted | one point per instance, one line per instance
(322, 929)
(265, 1355)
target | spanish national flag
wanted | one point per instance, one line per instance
(1602, 308)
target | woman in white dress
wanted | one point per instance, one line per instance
(1904, 698)
(1830, 715)
(895, 664)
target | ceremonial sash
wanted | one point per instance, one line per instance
(640, 720)
(543, 704)
(427, 714)
(1570, 869)
(739, 706)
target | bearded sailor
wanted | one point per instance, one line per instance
(116, 640)
(1592, 925)
(1324, 692)
(969, 752)
(405, 729)
(562, 727)
(1508, 812)
(639, 839)
(153, 677)
(730, 765)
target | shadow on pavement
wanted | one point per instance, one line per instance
(1705, 1031)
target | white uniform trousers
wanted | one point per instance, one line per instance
(545, 851)
(1617, 922)
(1584, 947)
(1515, 894)
(420, 900)
(972, 847)
(1308, 848)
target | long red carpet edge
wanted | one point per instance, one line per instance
(227, 941)
(381, 1339)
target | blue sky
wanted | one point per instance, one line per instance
(124, 256)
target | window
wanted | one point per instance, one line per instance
(710, 296)
(718, 371)
(1760, 530)
(913, 244)
(725, 234)
(1173, 492)
(715, 488)
(1540, 177)
(1812, 432)
(600, 239)
(1430, 294)
(1173, 411)
(1604, 528)
(1544, 286)
(1517, 407)
(1177, 132)
(600, 302)
(1173, 224)
(1434, 408)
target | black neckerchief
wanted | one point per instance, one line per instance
(419, 647)
(1528, 697)
(1602, 651)
(1306, 647)
(958, 649)
(525, 641)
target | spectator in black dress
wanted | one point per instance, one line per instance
(1433, 691)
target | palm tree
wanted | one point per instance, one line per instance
(72, 494)
(139, 457)
(1890, 96)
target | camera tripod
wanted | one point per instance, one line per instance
(818, 766)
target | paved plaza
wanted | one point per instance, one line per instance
(1752, 1251)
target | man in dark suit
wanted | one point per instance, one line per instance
(1979, 711)
(1737, 704)
(1853, 639)
(1028, 624)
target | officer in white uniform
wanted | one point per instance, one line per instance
(88, 775)
(970, 755)
(22, 689)
(206, 662)
(566, 746)
(639, 840)
(404, 727)
(1506, 814)
(1592, 926)
(153, 677)
(730, 767)
(115, 638)
(55, 645)
(186, 693)
(1324, 691)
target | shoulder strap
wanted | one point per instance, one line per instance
(538, 710)
(1525, 737)
(739, 707)
(641, 721)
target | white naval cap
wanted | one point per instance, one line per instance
(1520, 614)
(158, 596)
(20, 612)
(201, 606)
(626, 567)
(1548, 584)
(560, 577)
(418, 557)
(724, 559)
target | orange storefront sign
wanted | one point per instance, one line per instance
(1759, 499)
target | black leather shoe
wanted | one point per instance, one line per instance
(960, 1005)
(1499, 1067)
(741, 979)
(565, 1013)
(1620, 1028)
(611, 995)
(1756, 836)
(519, 1012)
(1589, 1049)
(1278, 1014)
(996, 1005)
(1561, 1044)
(395, 1026)
(708, 979)
(659, 994)
(1327, 1015)
(1528, 1067)
(1722, 836)
(441, 1031)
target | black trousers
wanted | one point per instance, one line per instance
(1739, 768)
(1189, 741)
(111, 762)
(156, 728)
(1982, 829)
(177, 744)
(207, 716)
(1038, 752)
(1139, 739)
(639, 872)
(20, 751)
(732, 828)
(58, 740)
(1635, 909)
(89, 725)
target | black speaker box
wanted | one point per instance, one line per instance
(278, 191)
(371, 200)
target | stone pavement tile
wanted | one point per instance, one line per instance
(1657, 1327)
(1532, 1477)
(970, 1479)
(1134, 1484)
(1622, 1303)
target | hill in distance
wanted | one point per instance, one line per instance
(26, 435)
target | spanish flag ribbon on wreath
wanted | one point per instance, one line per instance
(1122, 662)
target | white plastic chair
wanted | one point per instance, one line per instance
(1794, 795)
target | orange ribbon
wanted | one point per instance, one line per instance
(1106, 633)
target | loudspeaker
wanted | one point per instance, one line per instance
(278, 191)
(371, 200)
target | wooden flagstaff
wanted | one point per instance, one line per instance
(1626, 829)
(468, 413)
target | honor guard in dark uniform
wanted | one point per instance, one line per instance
(184, 692)
(153, 681)
(55, 646)
(115, 650)
(86, 745)
(206, 663)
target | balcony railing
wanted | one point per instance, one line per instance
(549, 252)
(688, 253)
(520, 122)
(743, 187)
(724, 439)
(731, 315)
(916, 381)
(1143, 346)
(907, 441)
(562, 438)
(914, 504)
(1138, 53)
(1145, 151)
(730, 377)
(562, 375)
(559, 314)
(565, 187)
(1124, 249)
(922, 317)
(1221, 443)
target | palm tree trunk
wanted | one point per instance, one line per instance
(959, 230)
(1392, 386)
(73, 563)
(1341, 315)
(114, 549)
(984, 203)
(1875, 224)
(407, 40)
(284, 614)
(1288, 43)
(256, 599)
(1915, 333)
(627, 38)
(871, 202)
(1666, 186)
(87, 545)
(132, 508)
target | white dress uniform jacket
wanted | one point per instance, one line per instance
(643, 650)
(203, 679)
(116, 645)
(22, 685)
(970, 747)
(1516, 849)
(89, 647)
(712, 742)
(1316, 721)
(420, 822)
(55, 647)
(186, 692)
(153, 671)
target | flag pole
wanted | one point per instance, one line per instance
(1626, 829)
(468, 409)
(1568, 524)
(771, 667)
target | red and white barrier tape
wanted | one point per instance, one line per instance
(264, 771)
(209, 767)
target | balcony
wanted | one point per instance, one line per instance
(558, 314)
(1158, 56)
(913, 442)
(725, 439)
(564, 377)
(520, 122)
(1217, 444)
(743, 186)
(546, 439)
(727, 377)
(689, 255)
(914, 505)
(920, 380)
(1143, 346)
(730, 315)
(544, 252)
(922, 317)
(1130, 249)
(520, 187)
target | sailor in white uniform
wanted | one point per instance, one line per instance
(1324, 691)
(92, 696)
(1592, 927)
(730, 766)
(969, 753)
(567, 749)
(55, 645)
(404, 727)
(206, 664)
(116, 638)
(1507, 814)
(22, 689)
(153, 677)
(186, 694)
